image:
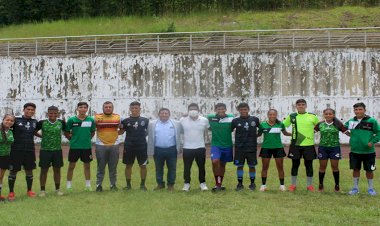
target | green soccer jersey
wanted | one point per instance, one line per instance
(5, 144)
(302, 128)
(51, 134)
(330, 133)
(221, 130)
(80, 132)
(363, 131)
(272, 135)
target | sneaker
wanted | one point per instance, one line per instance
(69, 190)
(2, 198)
(292, 187)
(337, 188)
(42, 194)
(263, 187)
(203, 187)
(282, 188)
(252, 187)
(99, 188)
(59, 192)
(371, 192)
(31, 194)
(310, 188)
(239, 187)
(127, 188)
(320, 188)
(143, 188)
(113, 187)
(186, 187)
(171, 188)
(216, 189)
(159, 187)
(353, 191)
(88, 188)
(11, 196)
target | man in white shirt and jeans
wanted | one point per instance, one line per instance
(194, 129)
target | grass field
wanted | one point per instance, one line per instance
(136, 207)
(296, 18)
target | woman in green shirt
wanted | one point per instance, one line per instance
(272, 146)
(6, 139)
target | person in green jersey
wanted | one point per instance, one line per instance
(365, 133)
(272, 146)
(221, 143)
(51, 151)
(6, 139)
(302, 142)
(79, 130)
(329, 146)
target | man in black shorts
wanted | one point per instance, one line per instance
(22, 150)
(135, 145)
(246, 128)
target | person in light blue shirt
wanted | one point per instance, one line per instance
(164, 143)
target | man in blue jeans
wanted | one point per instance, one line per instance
(164, 143)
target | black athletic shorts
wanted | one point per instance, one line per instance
(368, 161)
(51, 158)
(275, 152)
(85, 155)
(131, 153)
(305, 152)
(241, 156)
(4, 162)
(25, 159)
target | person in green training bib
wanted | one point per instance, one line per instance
(365, 133)
(329, 146)
(51, 151)
(6, 139)
(272, 146)
(221, 143)
(79, 130)
(302, 142)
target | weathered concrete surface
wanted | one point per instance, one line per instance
(336, 78)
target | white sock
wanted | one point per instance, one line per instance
(68, 184)
(88, 183)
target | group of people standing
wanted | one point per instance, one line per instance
(166, 137)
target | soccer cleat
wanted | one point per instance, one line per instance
(320, 188)
(127, 188)
(159, 187)
(171, 188)
(216, 189)
(252, 187)
(99, 188)
(42, 194)
(310, 188)
(2, 198)
(353, 191)
(59, 192)
(239, 187)
(263, 187)
(186, 187)
(31, 194)
(337, 188)
(282, 188)
(88, 188)
(11, 196)
(292, 188)
(69, 190)
(113, 187)
(143, 188)
(371, 192)
(203, 187)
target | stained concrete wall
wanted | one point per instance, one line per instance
(335, 78)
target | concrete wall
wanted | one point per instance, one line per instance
(335, 78)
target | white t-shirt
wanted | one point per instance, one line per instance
(193, 132)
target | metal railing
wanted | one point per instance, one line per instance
(247, 40)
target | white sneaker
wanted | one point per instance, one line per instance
(58, 192)
(42, 194)
(186, 187)
(203, 187)
(282, 188)
(263, 187)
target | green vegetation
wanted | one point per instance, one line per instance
(194, 208)
(284, 19)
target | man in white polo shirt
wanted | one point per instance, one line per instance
(194, 129)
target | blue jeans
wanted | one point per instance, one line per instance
(170, 156)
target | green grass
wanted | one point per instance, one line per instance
(316, 18)
(195, 207)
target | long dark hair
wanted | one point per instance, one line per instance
(337, 123)
(3, 133)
